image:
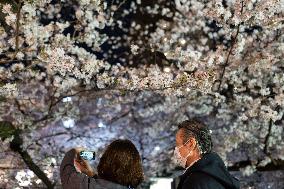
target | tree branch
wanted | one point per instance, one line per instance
(266, 142)
(15, 145)
(18, 27)
(17, 31)
(273, 166)
(7, 130)
(265, 150)
(230, 52)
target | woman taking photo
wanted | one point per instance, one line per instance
(119, 168)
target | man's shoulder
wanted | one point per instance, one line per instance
(200, 180)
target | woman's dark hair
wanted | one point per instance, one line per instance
(121, 163)
(197, 129)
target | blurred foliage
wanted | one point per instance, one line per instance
(7, 130)
(2, 98)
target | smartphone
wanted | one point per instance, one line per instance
(88, 155)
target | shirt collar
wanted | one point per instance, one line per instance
(191, 165)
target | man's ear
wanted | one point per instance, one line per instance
(191, 143)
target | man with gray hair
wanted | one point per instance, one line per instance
(204, 168)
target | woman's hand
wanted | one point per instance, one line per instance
(82, 165)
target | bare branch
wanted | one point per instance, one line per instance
(16, 146)
(230, 52)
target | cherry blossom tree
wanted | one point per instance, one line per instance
(220, 60)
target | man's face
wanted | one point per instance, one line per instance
(180, 143)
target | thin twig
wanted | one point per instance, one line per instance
(230, 52)
(18, 27)
(14, 61)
